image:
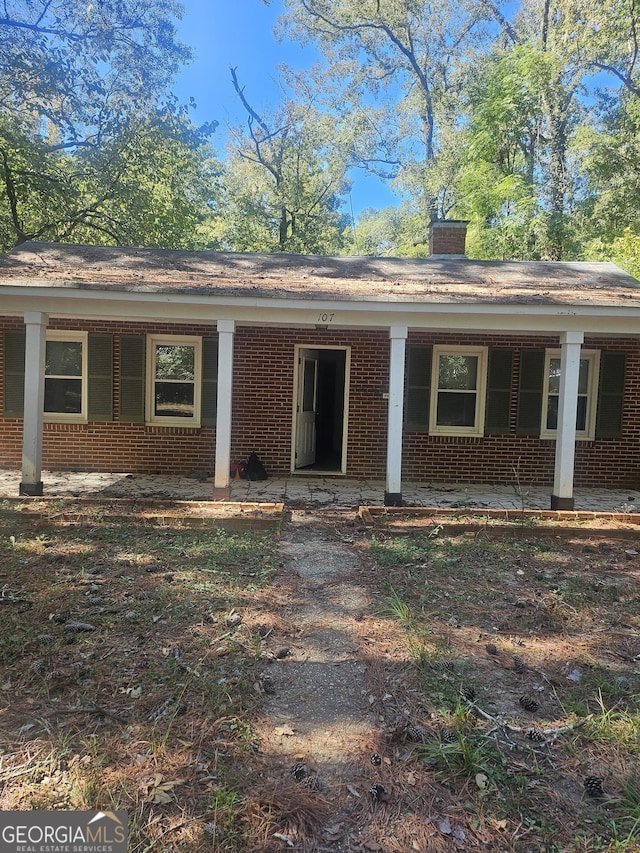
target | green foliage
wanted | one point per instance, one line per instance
(284, 182)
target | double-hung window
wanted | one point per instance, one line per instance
(173, 380)
(587, 394)
(65, 377)
(458, 388)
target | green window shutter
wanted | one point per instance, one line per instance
(530, 391)
(499, 375)
(14, 354)
(132, 378)
(418, 389)
(209, 400)
(100, 378)
(610, 395)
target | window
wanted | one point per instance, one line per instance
(173, 387)
(458, 390)
(587, 392)
(65, 377)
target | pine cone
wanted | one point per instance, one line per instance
(299, 771)
(529, 703)
(536, 735)
(312, 782)
(376, 760)
(417, 733)
(593, 786)
(467, 693)
(446, 665)
(519, 664)
(491, 649)
(378, 791)
(448, 735)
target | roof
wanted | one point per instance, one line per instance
(456, 280)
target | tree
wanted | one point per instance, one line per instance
(473, 108)
(284, 181)
(394, 70)
(78, 83)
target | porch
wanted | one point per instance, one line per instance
(316, 492)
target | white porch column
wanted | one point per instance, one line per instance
(393, 491)
(226, 330)
(562, 497)
(35, 345)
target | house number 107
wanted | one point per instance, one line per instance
(325, 318)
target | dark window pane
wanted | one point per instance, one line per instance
(554, 376)
(456, 409)
(458, 372)
(552, 412)
(174, 400)
(175, 362)
(63, 358)
(583, 379)
(63, 396)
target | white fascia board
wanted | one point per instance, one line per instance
(363, 313)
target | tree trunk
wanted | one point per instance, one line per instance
(557, 181)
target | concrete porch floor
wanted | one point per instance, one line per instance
(308, 491)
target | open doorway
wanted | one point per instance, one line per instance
(320, 423)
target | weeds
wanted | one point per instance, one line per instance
(149, 705)
(551, 605)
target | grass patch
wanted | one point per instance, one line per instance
(524, 656)
(129, 665)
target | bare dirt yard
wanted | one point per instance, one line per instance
(321, 684)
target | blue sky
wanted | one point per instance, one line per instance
(222, 34)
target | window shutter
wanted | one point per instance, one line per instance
(132, 378)
(100, 378)
(208, 407)
(610, 395)
(499, 376)
(530, 391)
(14, 355)
(418, 390)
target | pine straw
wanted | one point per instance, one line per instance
(287, 809)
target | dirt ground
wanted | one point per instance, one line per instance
(325, 687)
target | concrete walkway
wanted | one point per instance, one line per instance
(307, 491)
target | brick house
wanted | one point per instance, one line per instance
(436, 369)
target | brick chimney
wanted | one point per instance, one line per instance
(447, 238)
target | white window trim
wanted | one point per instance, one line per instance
(64, 417)
(481, 391)
(173, 340)
(589, 433)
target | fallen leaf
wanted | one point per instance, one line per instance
(444, 826)
(284, 838)
(411, 779)
(283, 731)
(482, 781)
(353, 791)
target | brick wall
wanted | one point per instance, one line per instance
(504, 459)
(264, 369)
(118, 447)
(263, 385)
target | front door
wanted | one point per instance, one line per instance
(307, 407)
(319, 439)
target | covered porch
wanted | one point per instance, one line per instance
(315, 491)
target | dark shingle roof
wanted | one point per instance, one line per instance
(312, 276)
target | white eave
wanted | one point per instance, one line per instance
(70, 300)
